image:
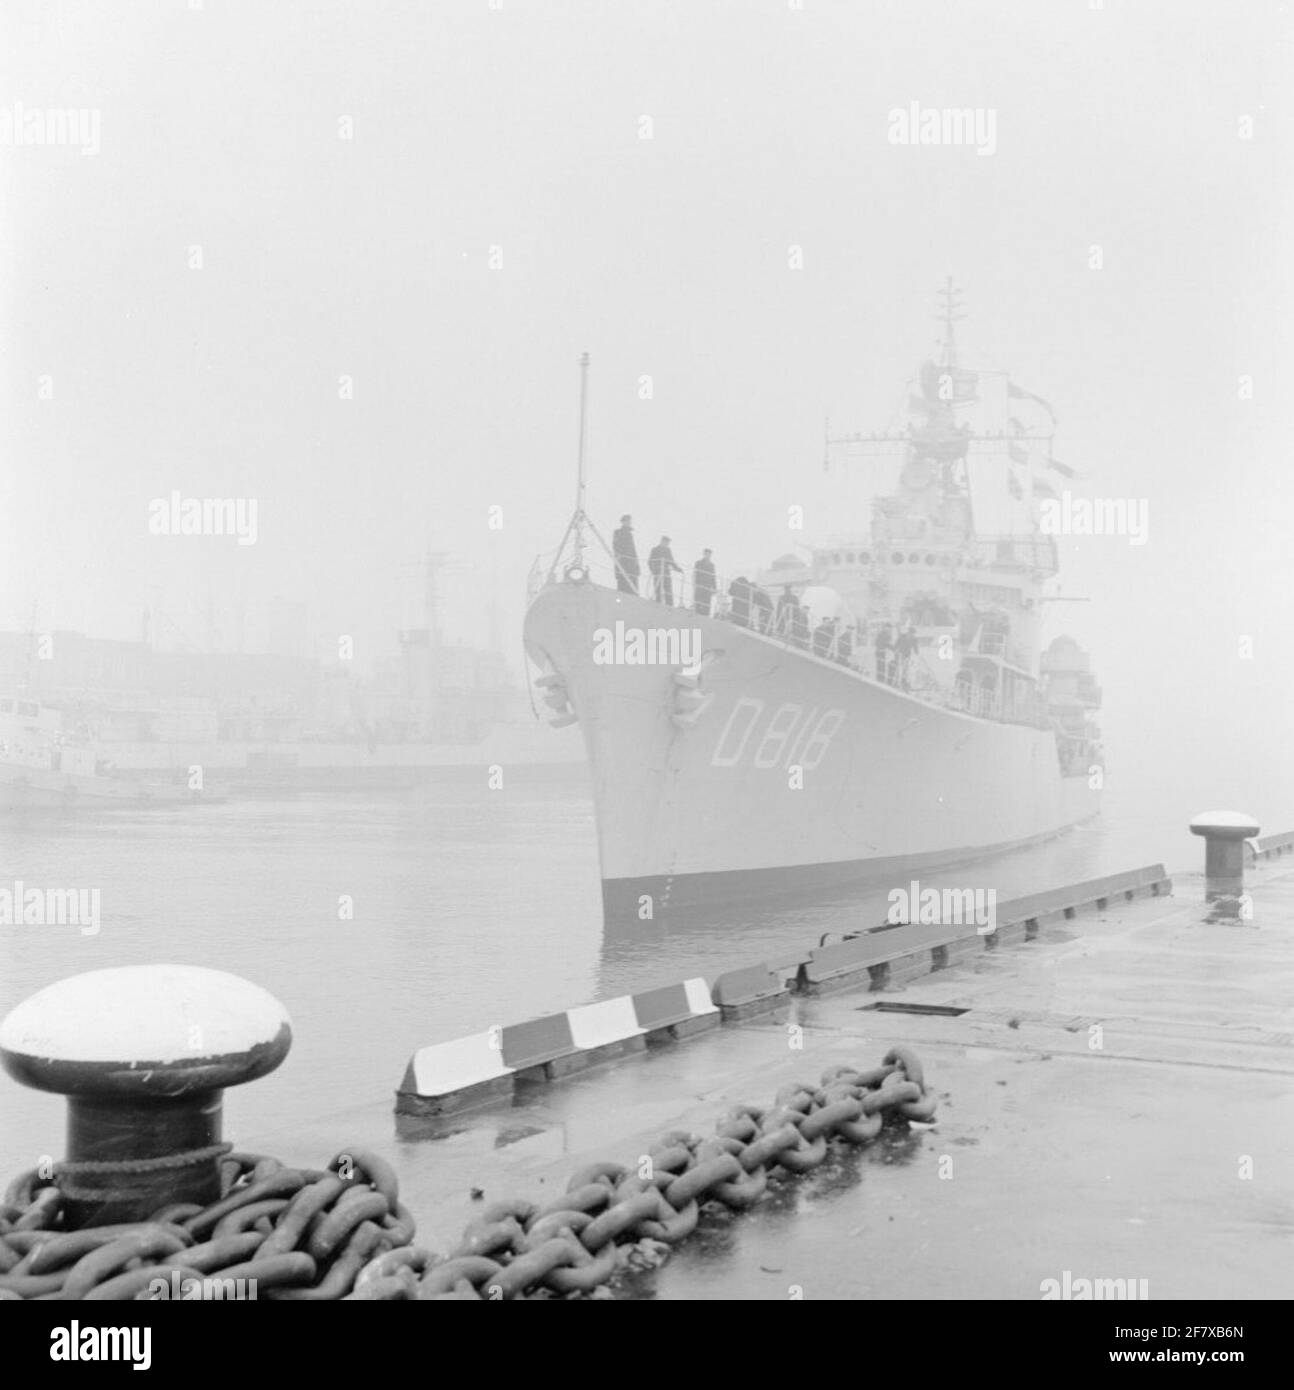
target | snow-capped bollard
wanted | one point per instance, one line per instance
(143, 1054)
(1225, 833)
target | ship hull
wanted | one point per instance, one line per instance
(622, 898)
(796, 775)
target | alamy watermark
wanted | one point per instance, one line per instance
(944, 907)
(653, 646)
(76, 1343)
(1067, 1287)
(1068, 515)
(207, 1289)
(203, 516)
(21, 906)
(71, 127)
(944, 125)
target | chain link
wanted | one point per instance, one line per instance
(343, 1233)
(569, 1245)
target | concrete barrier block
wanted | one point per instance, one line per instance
(676, 1011)
(537, 1042)
(839, 965)
(428, 1107)
(754, 989)
(609, 1021)
(572, 1062)
(841, 983)
(657, 1009)
(699, 999)
(1268, 847)
(1009, 934)
(451, 1075)
(910, 967)
(964, 948)
(689, 1027)
(598, 1033)
(1061, 904)
(900, 970)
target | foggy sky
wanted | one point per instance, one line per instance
(520, 128)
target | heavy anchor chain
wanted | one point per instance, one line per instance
(298, 1233)
(569, 1245)
(343, 1233)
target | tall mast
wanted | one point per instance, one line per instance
(950, 298)
(579, 522)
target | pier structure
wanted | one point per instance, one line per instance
(1111, 1068)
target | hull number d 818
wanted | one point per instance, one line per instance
(786, 737)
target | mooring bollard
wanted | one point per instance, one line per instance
(1225, 833)
(143, 1054)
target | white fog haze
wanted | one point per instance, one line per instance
(519, 130)
(374, 742)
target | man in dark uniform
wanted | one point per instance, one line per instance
(663, 567)
(787, 603)
(703, 584)
(739, 593)
(905, 648)
(845, 647)
(799, 624)
(763, 608)
(626, 554)
(884, 652)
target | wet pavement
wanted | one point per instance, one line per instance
(1117, 1102)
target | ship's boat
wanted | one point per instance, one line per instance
(42, 766)
(768, 740)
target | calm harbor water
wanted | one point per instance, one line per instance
(471, 908)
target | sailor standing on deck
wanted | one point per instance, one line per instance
(845, 646)
(905, 648)
(703, 584)
(739, 592)
(786, 606)
(884, 652)
(663, 567)
(626, 557)
(800, 625)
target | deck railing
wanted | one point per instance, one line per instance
(851, 645)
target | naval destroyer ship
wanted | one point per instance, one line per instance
(880, 705)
